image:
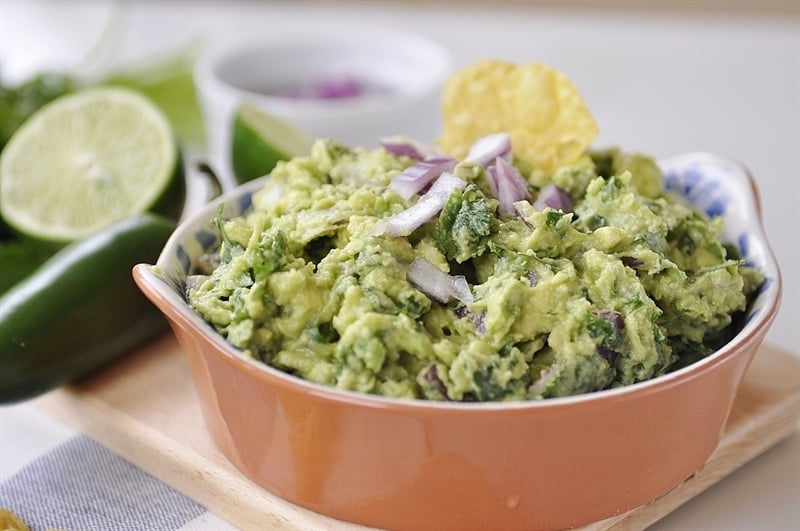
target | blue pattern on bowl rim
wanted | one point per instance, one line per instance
(721, 187)
(714, 184)
(198, 235)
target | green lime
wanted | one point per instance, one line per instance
(260, 140)
(86, 160)
(169, 83)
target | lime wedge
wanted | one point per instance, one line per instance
(168, 82)
(86, 160)
(260, 139)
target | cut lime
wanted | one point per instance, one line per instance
(86, 160)
(168, 82)
(260, 140)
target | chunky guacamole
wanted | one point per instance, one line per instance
(493, 281)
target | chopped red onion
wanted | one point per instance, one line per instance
(425, 208)
(437, 284)
(545, 380)
(431, 375)
(461, 312)
(618, 322)
(417, 176)
(338, 87)
(488, 148)
(615, 318)
(507, 184)
(632, 262)
(402, 146)
(194, 281)
(554, 197)
(524, 210)
(608, 354)
(478, 320)
(331, 87)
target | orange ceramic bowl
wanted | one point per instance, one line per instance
(407, 464)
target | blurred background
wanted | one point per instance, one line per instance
(661, 77)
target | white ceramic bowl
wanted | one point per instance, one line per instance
(405, 71)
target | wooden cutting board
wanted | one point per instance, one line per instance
(144, 408)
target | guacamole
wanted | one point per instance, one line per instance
(337, 277)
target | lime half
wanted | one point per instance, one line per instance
(86, 160)
(260, 140)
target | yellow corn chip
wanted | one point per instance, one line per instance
(11, 522)
(538, 106)
(472, 103)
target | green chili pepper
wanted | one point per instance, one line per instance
(80, 309)
(17, 261)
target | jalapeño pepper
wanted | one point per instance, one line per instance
(17, 261)
(80, 309)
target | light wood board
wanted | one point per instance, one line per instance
(144, 408)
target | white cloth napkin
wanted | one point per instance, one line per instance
(81, 486)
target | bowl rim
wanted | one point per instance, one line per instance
(436, 55)
(751, 333)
